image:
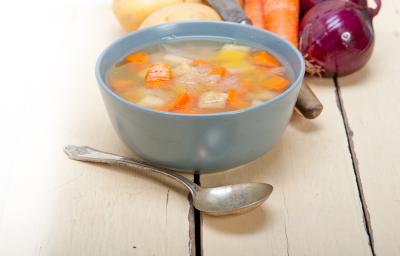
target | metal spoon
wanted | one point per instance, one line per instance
(223, 200)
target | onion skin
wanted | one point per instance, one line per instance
(336, 38)
(306, 5)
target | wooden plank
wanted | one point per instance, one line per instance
(315, 207)
(54, 206)
(371, 101)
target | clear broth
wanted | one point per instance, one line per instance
(199, 77)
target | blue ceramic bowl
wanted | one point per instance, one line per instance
(205, 142)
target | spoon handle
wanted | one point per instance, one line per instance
(88, 154)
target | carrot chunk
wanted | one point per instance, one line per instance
(181, 101)
(221, 71)
(121, 85)
(138, 57)
(265, 59)
(239, 103)
(235, 101)
(232, 95)
(200, 62)
(158, 75)
(276, 83)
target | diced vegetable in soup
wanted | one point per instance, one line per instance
(199, 77)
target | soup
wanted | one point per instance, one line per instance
(198, 77)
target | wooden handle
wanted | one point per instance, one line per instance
(307, 103)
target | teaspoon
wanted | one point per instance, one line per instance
(222, 200)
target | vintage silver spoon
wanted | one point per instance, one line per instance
(223, 200)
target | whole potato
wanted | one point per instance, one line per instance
(180, 12)
(130, 13)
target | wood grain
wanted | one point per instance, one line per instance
(371, 101)
(315, 207)
(50, 205)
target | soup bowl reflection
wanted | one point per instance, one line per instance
(201, 142)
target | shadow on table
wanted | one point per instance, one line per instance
(304, 125)
(152, 177)
(263, 169)
(250, 222)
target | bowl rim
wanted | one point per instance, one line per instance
(296, 83)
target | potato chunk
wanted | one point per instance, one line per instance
(212, 100)
(175, 59)
(151, 101)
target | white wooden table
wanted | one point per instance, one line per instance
(336, 178)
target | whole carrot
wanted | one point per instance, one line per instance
(254, 10)
(282, 18)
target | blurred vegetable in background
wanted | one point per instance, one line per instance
(180, 12)
(254, 10)
(282, 18)
(130, 13)
(308, 4)
(337, 37)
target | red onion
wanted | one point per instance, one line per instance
(306, 5)
(337, 37)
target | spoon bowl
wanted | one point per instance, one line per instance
(231, 199)
(223, 200)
